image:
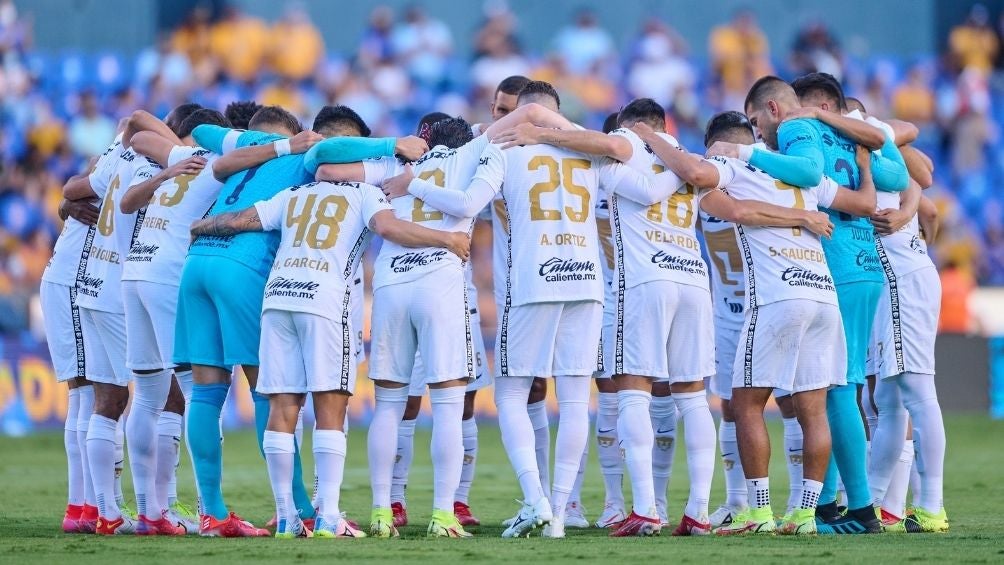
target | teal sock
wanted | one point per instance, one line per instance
(204, 442)
(304, 504)
(849, 449)
(260, 418)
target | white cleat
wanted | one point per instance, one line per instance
(191, 528)
(554, 529)
(611, 517)
(724, 516)
(575, 515)
(660, 511)
(529, 517)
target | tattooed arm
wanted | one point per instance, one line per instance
(228, 223)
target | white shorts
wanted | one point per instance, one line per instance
(429, 316)
(726, 345)
(796, 345)
(357, 305)
(105, 347)
(63, 333)
(482, 377)
(906, 324)
(150, 312)
(664, 330)
(302, 352)
(549, 339)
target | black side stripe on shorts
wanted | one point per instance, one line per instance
(78, 334)
(618, 237)
(751, 297)
(897, 327)
(503, 352)
(351, 265)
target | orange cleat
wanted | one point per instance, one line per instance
(231, 527)
(463, 513)
(119, 526)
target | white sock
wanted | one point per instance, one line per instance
(576, 495)
(758, 491)
(390, 404)
(637, 439)
(664, 415)
(149, 395)
(573, 433)
(608, 449)
(542, 442)
(298, 430)
(921, 399)
(184, 379)
(329, 453)
(402, 461)
(185, 384)
(793, 459)
(895, 497)
(120, 458)
(914, 480)
(168, 448)
(470, 427)
(887, 442)
(518, 434)
(101, 458)
(809, 492)
(735, 480)
(84, 412)
(700, 438)
(279, 448)
(447, 444)
(74, 468)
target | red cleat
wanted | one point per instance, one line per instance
(232, 527)
(637, 525)
(88, 521)
(159, 527)
(71, 519)
(463, 514)
(691, 527)
(400, 514)
(119, 526)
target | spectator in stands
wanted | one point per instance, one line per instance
(913, 100)
(973, 43)
(740, 54)
(584, 44)
(296, 47)
(957, 286)
(659, 71)
(239, 42)
(375, 44)
(816, 50)
(424, 45)
(499, 59)
(194, 40)
(90, 131)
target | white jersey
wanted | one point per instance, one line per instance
(657, 242)
(779, 263)
(100, 287)
(444, 167)
(728, 283)
(159, 252)
(607, 261)
(69, 256)
(553, 250)
(325, 229)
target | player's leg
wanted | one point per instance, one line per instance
(169, 432)
(810, 408)
(329, 452)
(536, 407)
(637, 439)
(748, 404)
(461, 503)
(279, 445)
(664, 417)
(406, 449)
(447, 400)
(887, 442)
(74, 468)
(921, 400)
(89, 512)
(608, 449)
(793, 444)
(726, 344)
(574, 511)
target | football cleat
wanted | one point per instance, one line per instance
(71, 519)
(891, 523)
(858, 521)
(343, 529)
(291, 529)
(530, 516)
(162, 526)
(191, 527)
(750, 522)
(382, 523)
(128, 511)
(801, 521)
(922, 521)
(445, 524)
(575, 516)
(553, 529)
(660, 511)
(463, 513)
(233, 526)
(400, 514)
(691, 527)
(637, 525)
(88, 521)
(121, 525)
(724, 516)
(611, 517)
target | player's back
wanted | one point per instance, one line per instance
(728, 284)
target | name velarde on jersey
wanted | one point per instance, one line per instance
(556, 270)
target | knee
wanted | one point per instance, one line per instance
(412, 408)
(111, 405)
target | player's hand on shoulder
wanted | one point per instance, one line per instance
(523, 134)
(818, 223)
(397, 186)
(410, 148)
(459, 243)
(723, 149)
(191, 166)
(303, 141)
(889, 221)
(643, 130)
(84, 211)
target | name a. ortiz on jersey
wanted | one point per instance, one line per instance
(677, 263)
(797, 276)
(557, 269)
(408, 261)
(142, 253)
(291, 288)
(868, 261)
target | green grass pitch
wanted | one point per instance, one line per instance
(32, 499)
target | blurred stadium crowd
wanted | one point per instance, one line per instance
(59, 109)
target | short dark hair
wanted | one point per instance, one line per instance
(334, 117)
(851, 101)
(763, 89)
(724, 122)
(451, 132)
(178, 115)
(200, 117)
(429, 119)
(275, 115)
(537, 89)
(643, 110)
(511, 85)
(240, 112)
(610, 124)
(820, 83)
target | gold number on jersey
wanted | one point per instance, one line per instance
(173, 200)
(106, 219)
(419, 213)
(724, 251)
(310, 219)
(579, 213)
(799, 201)
(679, 208)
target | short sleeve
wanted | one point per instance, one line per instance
(230, 141)
(180, 153)
(376, 171)
(102, 174)
(270, 212)
(145, 170)
(373, 201)
(726, 172)
(826, 192)
(491, 167)
(611, 173)
(886, 128)
(472, 149)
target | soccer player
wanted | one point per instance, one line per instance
(239, 113)
(808, 148)
(219, 324)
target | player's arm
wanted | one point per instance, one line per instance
(139, 194)
(409, 234)
(351, 149)
(860, 202)
(858, 131)
(254, 155)
(214, 137)
(487, 182)
(580, 141)
(927, 215)
(903, 132)
(141, 120)
(83, 211)
(891, 220)
(919, 166)
(341, 172)
(889, 168)
(755, 213)
(228, 223)
(799, 161)
(78, 187)
(688, 167)
(532, 114)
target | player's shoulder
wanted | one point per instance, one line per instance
(437, 153)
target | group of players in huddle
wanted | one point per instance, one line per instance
(208, 241)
